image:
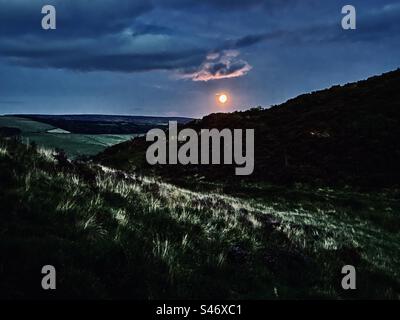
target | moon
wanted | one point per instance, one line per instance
(223, 98)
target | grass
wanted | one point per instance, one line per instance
(25, 125)
(74, 145)
(114, 235)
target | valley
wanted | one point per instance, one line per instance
(80, 136)
(324, 194)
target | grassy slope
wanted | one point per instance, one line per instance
(25, 125)
(77, 144)
(114, 235)
(73, 144)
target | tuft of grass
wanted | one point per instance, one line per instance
(3, 151)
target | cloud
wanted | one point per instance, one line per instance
(93, 59)
(77, 18)
(140, 29)
(376, 24)
(101, 36)
(229, 4)
(120, 36)
(74, 18)
(218, 66)
(116, 36)
(253, 39)
(106, 41)
(372, 25)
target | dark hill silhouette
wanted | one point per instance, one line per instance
(344, 135)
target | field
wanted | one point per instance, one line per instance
(77, 144)
(72, 143)
(25, 125)
(111, 234)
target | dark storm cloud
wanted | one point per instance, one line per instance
(248, 41)
(197, 64)
(91, 36)
(108, 36)
(150, 29)
(110, 62)
(376, 24)
(93, 18)
(100, 38)
(253, 39)
(230, 4)
(74, 18)
(372, 25)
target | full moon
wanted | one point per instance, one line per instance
(223, 98)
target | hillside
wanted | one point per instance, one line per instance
(344, 135)
(113, 235)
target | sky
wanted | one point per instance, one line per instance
(172, 57)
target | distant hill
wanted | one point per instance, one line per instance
(344, 135)
(104, 124)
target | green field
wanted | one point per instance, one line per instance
(25, 125)
(73, 144)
